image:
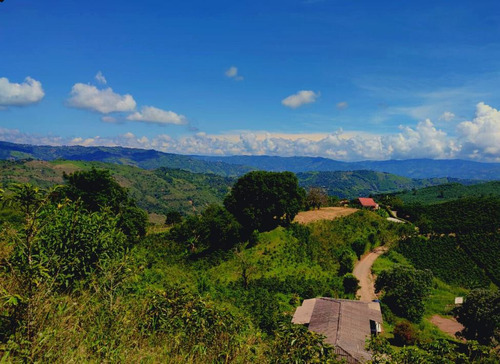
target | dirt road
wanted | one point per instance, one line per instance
(363, 272)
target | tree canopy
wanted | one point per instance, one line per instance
(480, 314)
(264, 200)
(404, 290)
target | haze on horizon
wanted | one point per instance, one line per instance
(332, 78)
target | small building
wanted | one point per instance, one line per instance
(346, 324)
(368, 203)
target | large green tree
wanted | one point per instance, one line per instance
(264, 200)
(480, 314)
(96, 189)
(404, 290)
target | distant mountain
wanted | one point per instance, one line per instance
(412, 168)
(239, 165)
(346, 184)
(146, 159)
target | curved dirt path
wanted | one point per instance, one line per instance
(447, 325)
(363, 272)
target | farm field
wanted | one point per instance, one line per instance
(324, 213)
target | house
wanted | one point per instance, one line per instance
(346, 324)
(368, 203)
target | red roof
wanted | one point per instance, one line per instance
(367, 202)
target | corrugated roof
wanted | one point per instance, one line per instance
(344, 323)
(367, 202)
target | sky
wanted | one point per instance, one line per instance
(341, 79)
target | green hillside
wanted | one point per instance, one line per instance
(449, 192)
(156, 191)
(363, 183)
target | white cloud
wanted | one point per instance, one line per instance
(300, 98)
(150, 114)
(475, 139)
(20, 94)
(104, 101)
(100, 78)
(232, 72)
(342, 105)
(480, 138)
(447, 116)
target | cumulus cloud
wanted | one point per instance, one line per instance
(447, 116)
(476, 139)
(104, 101)
(109, 119)
(20, 94)
(342, 105)
(232, 72)
(300, 98)
(100, 78)
(480, 137)
(150, 114)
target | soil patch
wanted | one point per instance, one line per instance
(446, 325)
(325, 213)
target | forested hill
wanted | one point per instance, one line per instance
(147, 159)
(412, 168)
(164, 189)
(344, 184)
(449, 192)
(239, 165)
(156, 191)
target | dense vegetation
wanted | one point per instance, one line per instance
(89, 294)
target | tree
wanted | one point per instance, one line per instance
(480, 314)
(346, 261)
(316, 197)
(264, 200)
(350, 283)
(173, 217)
(404, 290)
(98, 190)
(215, 229)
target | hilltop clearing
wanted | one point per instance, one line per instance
(324, 213)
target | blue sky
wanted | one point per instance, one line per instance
(348, 80)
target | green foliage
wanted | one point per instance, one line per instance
(98, 190)
(350, 283)
(462, 216)
(480, 314)
(446, 259)
(346, 261)
(193, 321)
(359, 247)
(484, 249)
(295, 344)
(264, 200)
(316, 197)
(438, 351)
(173, 217)
(404, 290)
(215, 229)
(356, 183)
(450, 192)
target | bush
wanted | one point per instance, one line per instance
(350, 283)
(404, 333)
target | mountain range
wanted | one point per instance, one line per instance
(239, 165)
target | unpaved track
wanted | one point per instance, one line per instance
(363, 272)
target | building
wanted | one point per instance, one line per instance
(368, 203)
(346, 324)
